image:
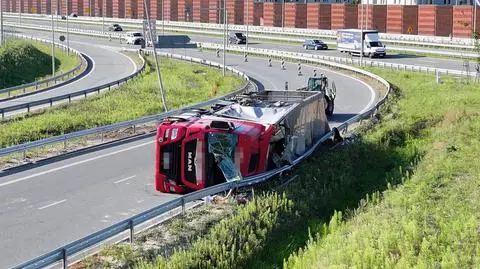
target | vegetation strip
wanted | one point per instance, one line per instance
(402, 194)
(23, 62)
(425, 213)
(186, 84)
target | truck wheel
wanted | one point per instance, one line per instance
(330, 107)
(370, 55)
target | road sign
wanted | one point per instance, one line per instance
(62, 38)
(410, 29)
(153, 25)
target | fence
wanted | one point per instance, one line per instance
(445, 42)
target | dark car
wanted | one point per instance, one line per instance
(64, 18)
(237, 38)
(115, 27)
(315, 44)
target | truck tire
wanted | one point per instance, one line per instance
(330, 107)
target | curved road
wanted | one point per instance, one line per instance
(53, 202)
(108, 65)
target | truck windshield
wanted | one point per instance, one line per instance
(221, 147)
(376, 44)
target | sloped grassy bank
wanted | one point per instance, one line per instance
(185, 84)
(430, 219)
(25, 61)
(405, 194)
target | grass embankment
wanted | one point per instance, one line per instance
(432, 218)
(409, 190)
(185, 84)
(24, 62)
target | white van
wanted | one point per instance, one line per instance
(350, 40)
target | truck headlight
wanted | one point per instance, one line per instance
(174, 133)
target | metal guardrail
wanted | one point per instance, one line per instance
(59, 77)
(116, 126)
(322, 59)
(130, 223)
(447, 42)
(458, 53)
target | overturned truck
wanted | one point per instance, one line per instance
(239, 137)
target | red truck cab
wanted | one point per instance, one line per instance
(185, 150)
(244, 136)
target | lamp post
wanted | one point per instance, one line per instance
(248, 22)
(361, 39)
(53, 42)
(1, 22)
(157, 65)
(163, 19)
(68, 36)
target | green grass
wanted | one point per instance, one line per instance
(405, 194)
(185, 84)
(63, 61)
(27, 61)
(427, 218)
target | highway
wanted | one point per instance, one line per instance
(53, 202)
(391, 57)
(107, 65)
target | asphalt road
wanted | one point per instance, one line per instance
(391, 57)
(52, 203)
(108, 65)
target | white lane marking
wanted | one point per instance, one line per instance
(74, 164)
(123, 180)
(52, 204)
(373, 95)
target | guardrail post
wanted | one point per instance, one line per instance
(218, 53)
(51, 102)
(64, 259)
(299, 69)
(131, 231)
(246, 60)
(286, 85)
(269, 62)
(183, 206)
(28, 108)
(283, 65)
(314, 73)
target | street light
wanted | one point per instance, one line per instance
(248, 22)
(1, 22)
(68, 36)
(157, 65)
(53, 42)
